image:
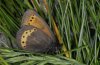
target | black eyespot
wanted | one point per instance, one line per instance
(35, 29)
(23, 42)
(32, 17)
(24, 46)
(26, 32)
(30, 20)
(23, 36)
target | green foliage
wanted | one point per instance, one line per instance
(26, 58)
(78, 22)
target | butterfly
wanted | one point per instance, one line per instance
(35, 34)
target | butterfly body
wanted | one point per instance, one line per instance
(35, 35)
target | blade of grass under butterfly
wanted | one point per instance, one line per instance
(2, 61)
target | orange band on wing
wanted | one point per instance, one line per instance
(34, 21)
(25, 36)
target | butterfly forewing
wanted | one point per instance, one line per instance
(32, 18)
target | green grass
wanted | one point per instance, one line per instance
(78, 23)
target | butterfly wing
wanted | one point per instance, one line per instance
(35, 35)
(30, 17)
(33, 39)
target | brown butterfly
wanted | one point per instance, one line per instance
(35, 34)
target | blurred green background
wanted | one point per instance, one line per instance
(78, 22)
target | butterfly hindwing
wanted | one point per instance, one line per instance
(36, 41)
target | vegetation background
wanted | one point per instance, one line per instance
(76, 24)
